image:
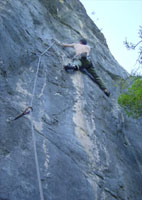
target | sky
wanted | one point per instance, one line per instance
(118, 20)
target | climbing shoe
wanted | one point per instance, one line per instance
(107, 93)
(70, 67)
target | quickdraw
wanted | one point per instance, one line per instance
(27, 111)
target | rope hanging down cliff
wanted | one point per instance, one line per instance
(32, 126)
(29, 110)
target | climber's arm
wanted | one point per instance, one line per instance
(64, 44)
(67, 45)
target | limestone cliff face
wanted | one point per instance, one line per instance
(87, 148)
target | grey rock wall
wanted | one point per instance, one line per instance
(87, 148)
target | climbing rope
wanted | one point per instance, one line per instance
(32, 126)
(38, 65)
(27, 111)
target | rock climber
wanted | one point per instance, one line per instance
(81, 61)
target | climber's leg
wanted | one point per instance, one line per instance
(97, 80)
